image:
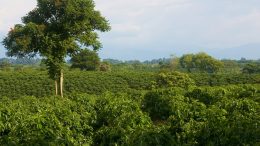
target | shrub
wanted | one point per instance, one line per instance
(118, 118)
(173, 79)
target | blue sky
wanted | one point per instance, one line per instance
(148, 29)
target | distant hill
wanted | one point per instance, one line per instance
(249, 51)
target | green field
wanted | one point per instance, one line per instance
(56, 89)
(130, 108)
(37, 83)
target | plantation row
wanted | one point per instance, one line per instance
(227, 115)
(36, 83)
(224, 79)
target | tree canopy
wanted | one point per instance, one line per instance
(200, 62)
(56, 29)
(86, 60)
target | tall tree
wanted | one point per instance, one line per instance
(186, 62)
(86, 60)
(56, 29)
(200, 62)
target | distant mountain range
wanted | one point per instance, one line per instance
(249, 51)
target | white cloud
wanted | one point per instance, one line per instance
(11, 12)
(160, 26)
(199, 23)
(231, 31)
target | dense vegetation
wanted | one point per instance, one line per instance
(190, 100)
(37, 83)
(134, 104)
(225, 115)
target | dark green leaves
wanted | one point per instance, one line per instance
(56, 29)
(86, 60)
(200, 62)
(24, 40)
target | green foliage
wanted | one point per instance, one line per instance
(173, 116)
(226, 120)
(201, 62)
(46, 121)
(204, 79)
(251, 68)
(207, 95)
(173, 79)
(136, 80)
(86, 60)
(55, 29)
(231, 122)
(159, 103)
(118, 118)
(17, 84)
(152, 136)
(5, 65)
(231, 66)
(212, 95)
(36, 83)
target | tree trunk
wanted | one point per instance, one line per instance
(61, 83)
(56, 87)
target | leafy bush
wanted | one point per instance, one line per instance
(46, 121)
(207, 95)
(231, 122)
(205, 116)
(152, 136)
(173, 79)
(173, 116)
(85, 60)
(118, 118)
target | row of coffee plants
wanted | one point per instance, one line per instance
(203, 79)
(37, 83)
(224, 115)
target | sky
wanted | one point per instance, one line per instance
(150, 29)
